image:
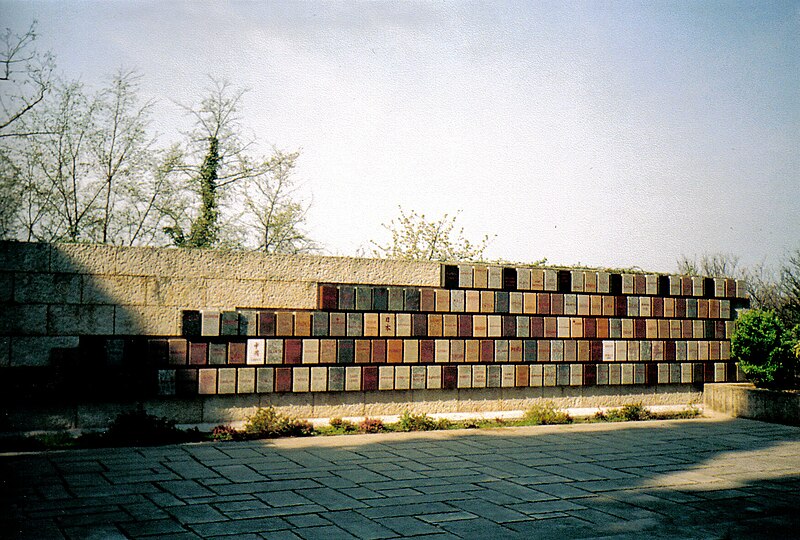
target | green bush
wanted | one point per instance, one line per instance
(342, 426)
(546, 414)
(627, 413)
(763, 347)
(267, 423)
(416, 422)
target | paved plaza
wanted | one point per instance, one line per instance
(704, 478)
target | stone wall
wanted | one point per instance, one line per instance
(82, 327)
(52, 294)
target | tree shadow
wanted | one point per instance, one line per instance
(665, 479)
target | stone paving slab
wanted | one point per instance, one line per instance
(700, 478)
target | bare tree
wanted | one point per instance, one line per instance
(710, 265)
(121, 150)
(26, 76)
(278, 216)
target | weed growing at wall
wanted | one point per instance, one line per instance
(546, 414)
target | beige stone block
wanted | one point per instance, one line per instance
(146, 320)
(536, 375)
(84, 258)
(557, 350)
(651, 284)
(465, 276)
(609, 351)
(550, 280)
(596, 305)
(495, 277)
(188, 293)
(23, 319)
(633, 306)
(570, 350)
(256, 351)
(126, 290)
(627, 328)
(537, 279)
(494, 325)
(563, 328)
(645, 306)
(464, 377)
(287, 295)
(570, 304)
(480, 326)
(675, 285)
(235, 293)
(602, 282)
(515, 302)
(301, 379)
(352, 379)
(24, 257)
(371, 324)
(47, 288)
(529, 303)
(633, 351)
(311, 351)
(226, 381)
(549, 375)
(697, 286)
(627, 373)
(245, 380)
(473, 301)
(386, 378)
(387, 323)
(620, 351)
(487, 302)
(319, 379)
(480, 276)
(583, 304)
(229, 408)
(71, 320)
(6, 287)
(442, 351)
(576, 375)
(457, 301)
(651, 329)
(434, 377)
(410, 351)
(5, 351)
(523, 279)
(35, 351)
(686, 373)
(627, 283)
(577, 277)
(207, 381)
(478, 376)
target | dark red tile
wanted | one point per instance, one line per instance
(198, 354)
(266, 323)
(378, 353)
(237, 352)
(293, 351)
(283, 379)
(369, 378)
(449, 377)
(427, 350)
(328, 297)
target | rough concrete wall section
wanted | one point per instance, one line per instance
(743, 400)
(51, 294)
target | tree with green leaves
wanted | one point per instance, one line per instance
(415, 237)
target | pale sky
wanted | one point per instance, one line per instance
(604, 133)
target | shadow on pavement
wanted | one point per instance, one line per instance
(667, 479)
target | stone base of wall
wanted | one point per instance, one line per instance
(744, 400)
(224, 409)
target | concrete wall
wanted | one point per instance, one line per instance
(743, 400)
(51, 294)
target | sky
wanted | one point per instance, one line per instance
(612, 134)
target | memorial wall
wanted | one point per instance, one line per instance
(154, 324)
